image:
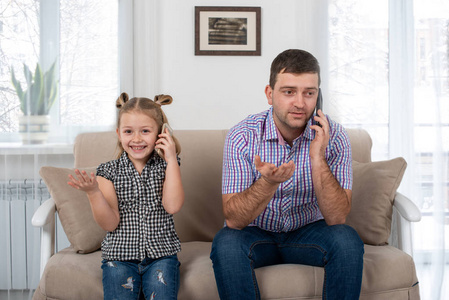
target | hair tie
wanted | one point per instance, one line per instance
(121, 100)
(163, 99)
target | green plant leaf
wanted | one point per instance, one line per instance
(37, 93)
(41, 92)
(51, 87)
(18, 88)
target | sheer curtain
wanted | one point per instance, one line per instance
(81, 39)
(389, 74)
(431, 146)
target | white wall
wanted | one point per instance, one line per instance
(213, 92)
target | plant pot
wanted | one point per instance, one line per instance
(34, 129)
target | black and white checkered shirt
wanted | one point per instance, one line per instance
(145, 228)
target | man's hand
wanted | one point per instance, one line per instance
(319, 144)
(273, 174)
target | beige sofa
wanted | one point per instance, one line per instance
(74, 273)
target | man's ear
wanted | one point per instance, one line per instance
(269, 94)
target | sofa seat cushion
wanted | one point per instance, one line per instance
(387, 270)
(388, 274)
(67, 268)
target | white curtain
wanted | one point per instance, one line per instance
(81, 38)
(431, 146)
(389, 74)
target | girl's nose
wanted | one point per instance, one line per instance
(137, 137)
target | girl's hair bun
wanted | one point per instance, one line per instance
(163, 99)
(121, 100)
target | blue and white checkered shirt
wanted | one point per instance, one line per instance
(294, 204)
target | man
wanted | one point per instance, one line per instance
(287, 189)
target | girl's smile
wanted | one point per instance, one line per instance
(138, 134)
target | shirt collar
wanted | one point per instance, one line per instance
(151, 161)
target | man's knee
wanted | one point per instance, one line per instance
(347, 241)
(226, 242)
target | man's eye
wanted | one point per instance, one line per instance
(289, 92)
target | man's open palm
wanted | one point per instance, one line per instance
(273, 174)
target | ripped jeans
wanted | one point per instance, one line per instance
(156, 278)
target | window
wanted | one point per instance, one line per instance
(389, 74)
(358, 76)
(81, 37)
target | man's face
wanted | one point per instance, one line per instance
(293, 99)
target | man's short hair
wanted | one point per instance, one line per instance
(294, 61)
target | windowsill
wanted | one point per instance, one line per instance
(35, 149)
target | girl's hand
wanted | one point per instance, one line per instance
(83, 181)
(168, 146)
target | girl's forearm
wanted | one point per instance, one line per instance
(103, 214)
(173, 191)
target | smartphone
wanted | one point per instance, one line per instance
(319, 105)
(170, 131)
(166, 126)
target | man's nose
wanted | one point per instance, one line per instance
(299, 101)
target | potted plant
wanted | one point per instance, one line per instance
(35, 102)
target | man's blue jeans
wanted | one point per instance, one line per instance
(236, 253)
(156, 278)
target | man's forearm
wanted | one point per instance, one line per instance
(241, 209)
(333, 200)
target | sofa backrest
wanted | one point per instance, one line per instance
(201, 165)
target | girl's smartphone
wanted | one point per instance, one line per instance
(170, 131)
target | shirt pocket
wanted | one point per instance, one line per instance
(127, 196)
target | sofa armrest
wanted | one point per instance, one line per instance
(407, 208)
(44, 217)
(408, 212)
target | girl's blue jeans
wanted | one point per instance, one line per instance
(236, 253)
(154, 278)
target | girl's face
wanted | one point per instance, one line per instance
(138, 134)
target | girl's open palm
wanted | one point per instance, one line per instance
(83, 181)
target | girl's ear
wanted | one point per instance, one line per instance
(121, 100)
(118, 134)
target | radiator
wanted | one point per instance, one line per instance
(19, 240)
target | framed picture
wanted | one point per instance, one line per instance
(227, 30)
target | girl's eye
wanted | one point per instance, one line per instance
(127, 131)
(145, 131)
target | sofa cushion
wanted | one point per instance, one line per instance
(373, 192)
(388, 273)
(74, 210)
(71, 276)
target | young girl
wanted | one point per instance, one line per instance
(134, 198)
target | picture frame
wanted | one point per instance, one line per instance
(226, 30)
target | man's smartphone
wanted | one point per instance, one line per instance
(170, 131)
(319, 105)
